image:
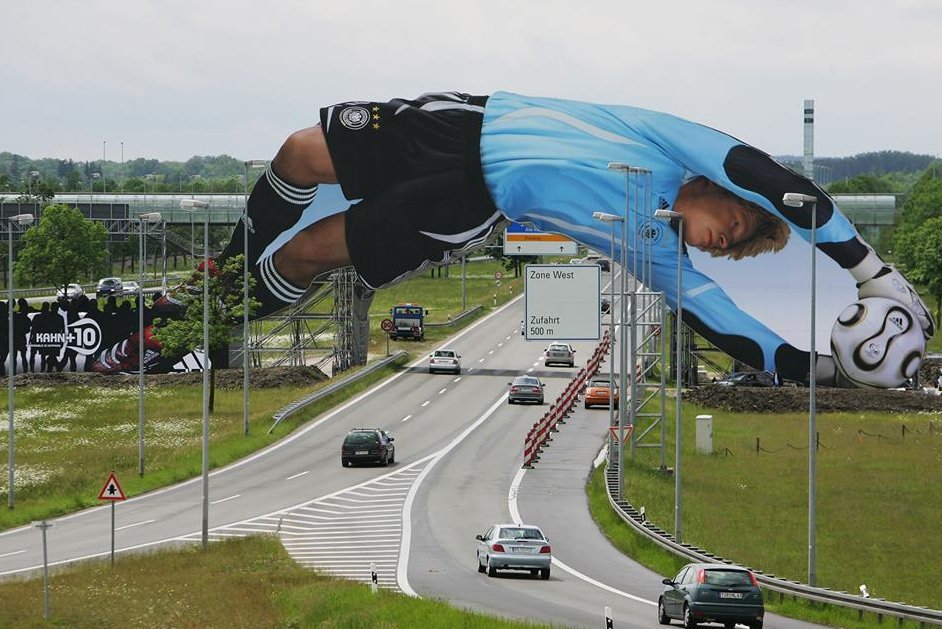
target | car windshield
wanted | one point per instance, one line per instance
(520, 533)
(444, 354)
(358, 438)
(727, 577)
(599, 383)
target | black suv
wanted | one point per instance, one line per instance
(367, 445)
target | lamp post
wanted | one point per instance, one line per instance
(33, 174)
(143, 220)
(670, 215)
(192, 205)
(611, 219)
(20, 220)
(796, 199)
(251, 164)
(91, 191)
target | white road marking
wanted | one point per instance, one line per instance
(515, 514)
(216, 502)
(480, 360)
(425, 403)
(490, 352)
(127, 526)
(407, 418)
(458, 379)
(442, 391)
(15, 552)
(293, 476)
(402, 569)
(500, 345)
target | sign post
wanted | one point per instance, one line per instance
(387, 326)
(112, 491)
(43, 525)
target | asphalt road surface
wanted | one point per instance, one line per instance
(459, 449)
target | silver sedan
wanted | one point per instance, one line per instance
(525, 389)
(514, 547)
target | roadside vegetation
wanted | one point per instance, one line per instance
(247, 582)
(877, 479)
(877, 492)
(69, 438)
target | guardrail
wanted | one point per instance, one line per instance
(878, 606)
(300, 403)
(458, 317)
(539, 435)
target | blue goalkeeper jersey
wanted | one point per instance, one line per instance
(546, 162)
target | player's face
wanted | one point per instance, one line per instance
(716, 222)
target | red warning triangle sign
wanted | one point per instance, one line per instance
(112, 490)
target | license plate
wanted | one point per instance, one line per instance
(519, 549)
(730, 594)
(359, 452)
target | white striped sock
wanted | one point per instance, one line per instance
(278, 286)
(291, 194)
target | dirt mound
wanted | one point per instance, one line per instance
(266, 378)
(795, 399)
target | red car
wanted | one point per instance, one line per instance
(597, 393)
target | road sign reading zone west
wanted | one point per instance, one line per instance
(562, 302)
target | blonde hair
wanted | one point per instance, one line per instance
(771, 232)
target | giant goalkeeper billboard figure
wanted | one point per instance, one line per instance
(427, 179)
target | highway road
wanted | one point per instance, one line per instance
(458, 469)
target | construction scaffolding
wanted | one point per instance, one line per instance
(328, 328)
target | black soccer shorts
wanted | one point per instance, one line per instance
(416, 168)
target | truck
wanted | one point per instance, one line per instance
(408, 322)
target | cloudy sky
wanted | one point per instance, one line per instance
(173, 79)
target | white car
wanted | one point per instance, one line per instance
(514, 547)
(131, 288)
(444, 360)
(72, 291)
(559, 354)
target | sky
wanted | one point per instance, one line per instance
(172, 79)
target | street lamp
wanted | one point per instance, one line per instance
(251, 164)
(21, 220)
(91, 192)
(143, 219)
(796, 199)
(605, 217)
(191, 205)
(670, 215)
(33, 174)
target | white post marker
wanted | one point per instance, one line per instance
(112, 491)
(374, 578)
(609, 621)
(43, 525)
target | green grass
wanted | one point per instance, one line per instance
(248, 582)
(69, 438)
(649, 554)
(877, 498)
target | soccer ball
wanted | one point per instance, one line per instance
(877, 342)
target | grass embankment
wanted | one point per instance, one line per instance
(69, 438)
(877, 498)
(248, 582)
